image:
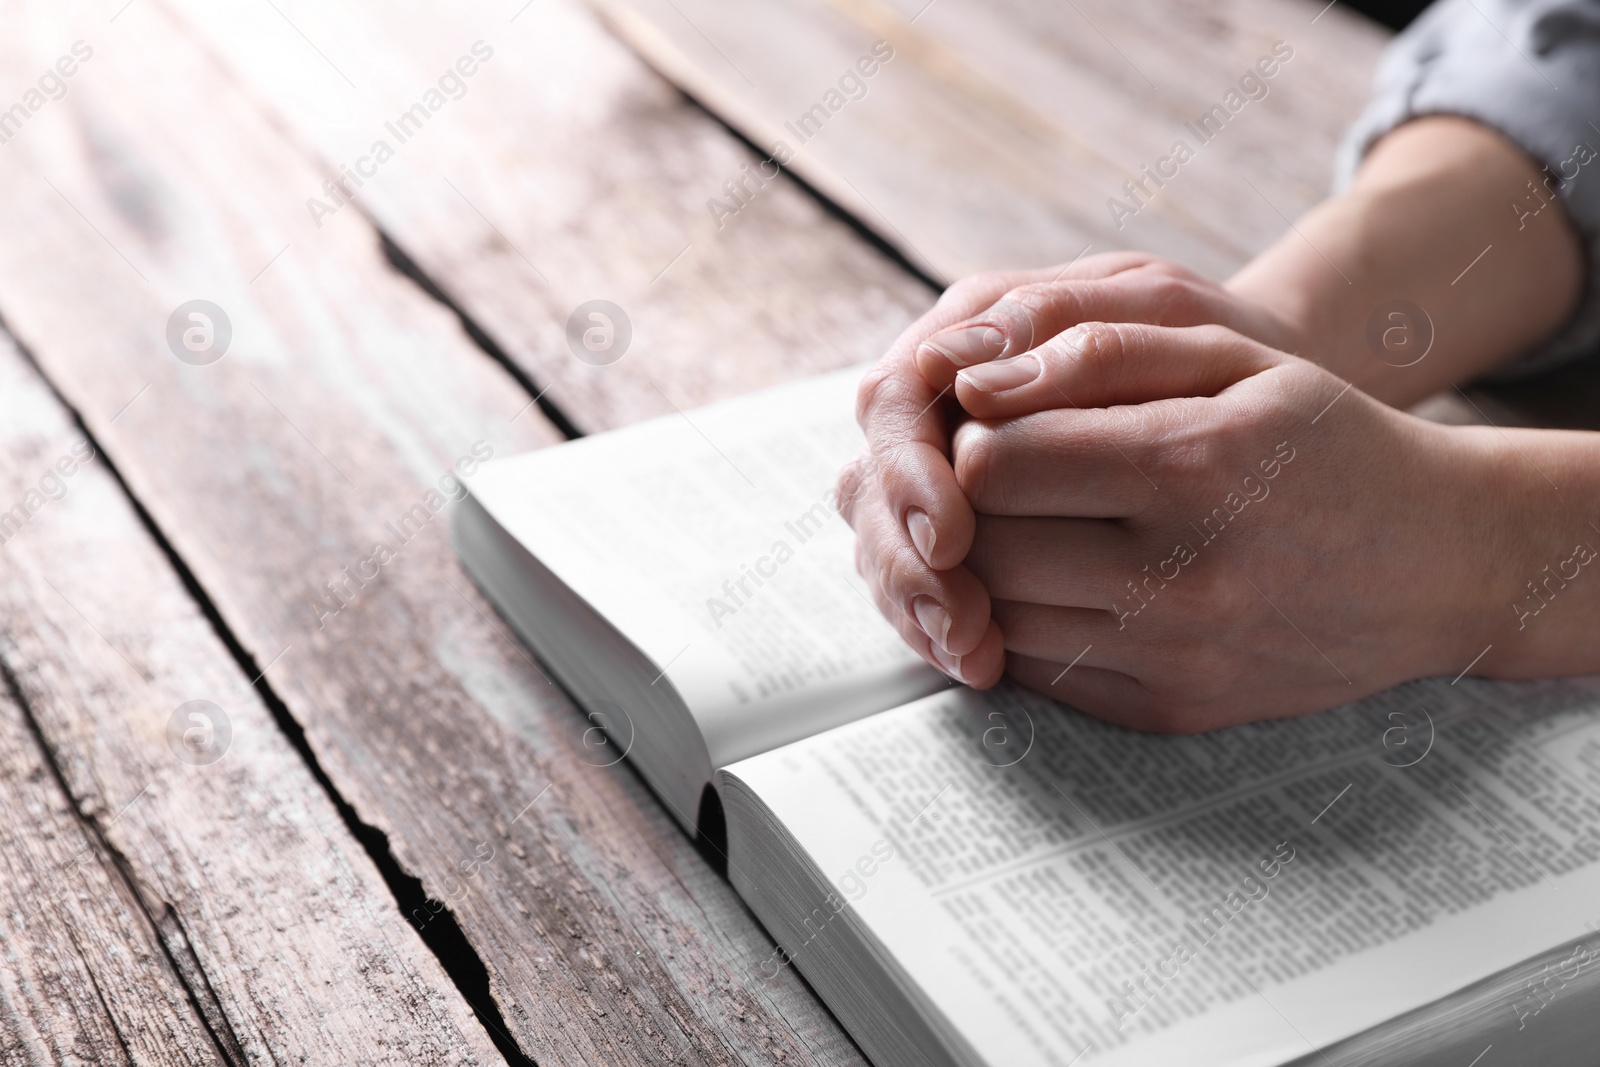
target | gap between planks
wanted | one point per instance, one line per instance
(610, 875)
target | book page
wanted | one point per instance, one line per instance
(1067, 892)
(710, 541)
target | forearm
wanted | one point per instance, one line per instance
(1429, 219)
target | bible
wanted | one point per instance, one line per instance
(992, 878)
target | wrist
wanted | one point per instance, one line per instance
(1535, 551)
(1325, 278)
(1455, 516)
(1277, 289)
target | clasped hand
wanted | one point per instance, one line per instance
(1115, 483)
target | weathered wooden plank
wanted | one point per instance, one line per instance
(1001, 128)
(344, 400)
(287, 940)
(84, 978)
(567, 172)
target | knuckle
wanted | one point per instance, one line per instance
(1182, 302)
(872, 396)
(983, 286)
(1180, 298)
(974, 456)
(1045, 308)
(895, 471)
(1183, 457)
(847, 489)
(886, 606)
(1099, 352)
(1166, 267)
(1237, 432)
(903, 574)
(1102, 346)
(1032, 295)
(1018, 314)
(879, 555)
(1216, 335)
(1110, 265)
(1217, 600)
(984, 281)
(1129, 260)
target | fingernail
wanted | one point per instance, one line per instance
(1001, 375)
(950, 664)
(964, 347)
(921, 529)
(934, 620)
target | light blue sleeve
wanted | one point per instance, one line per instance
(1530, 69)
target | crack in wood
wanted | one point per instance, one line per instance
(407, 267)
(94, 982)
(175, 939)
(443, 934)
(205, 1007)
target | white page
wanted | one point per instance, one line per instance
(709, 540)
(1020, 897)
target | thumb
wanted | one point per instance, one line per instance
(1103, 364)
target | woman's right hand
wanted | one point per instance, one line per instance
(913, 523)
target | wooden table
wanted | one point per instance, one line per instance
(269, 795)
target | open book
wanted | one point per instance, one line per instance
(992, 878)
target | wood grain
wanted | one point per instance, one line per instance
(1001, 128)
(344, 398)
(302, 958)
(84, 977)
(568, 171)
(992, 140)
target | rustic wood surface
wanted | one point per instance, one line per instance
(208, 899)
(998, 132)
(83, 978)
(567, 172)
(1008, 119)
(344, 397)
(160, 911)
